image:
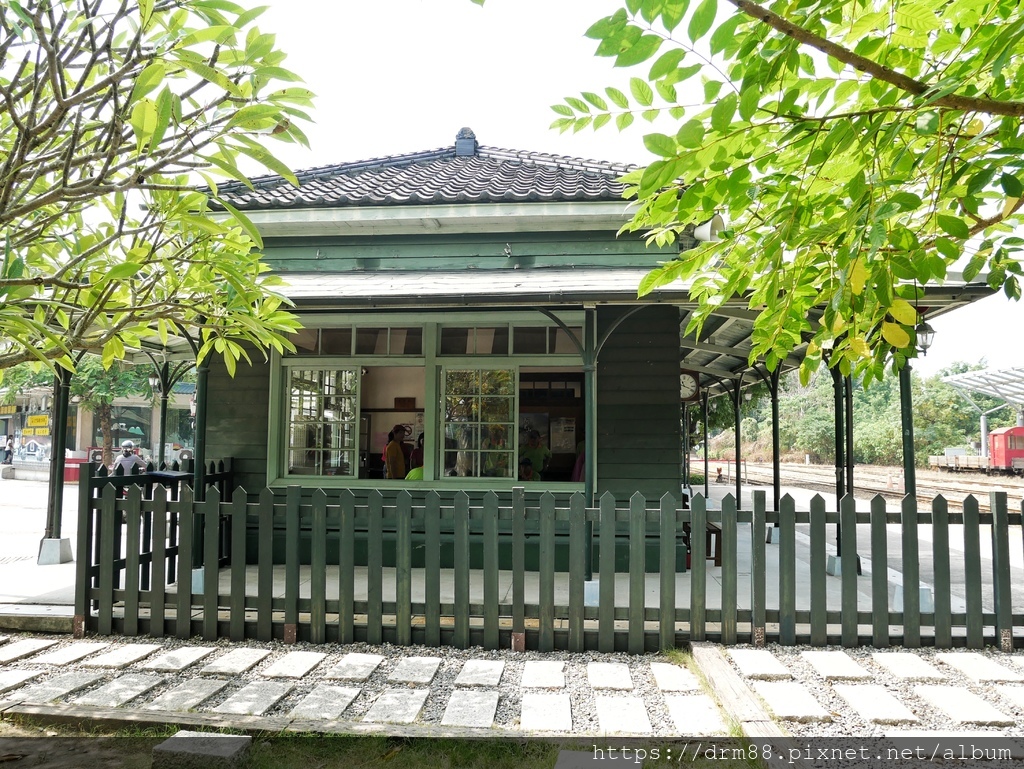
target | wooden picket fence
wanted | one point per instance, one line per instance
(130, 548)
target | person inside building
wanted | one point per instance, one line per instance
(416, 458)
(394, 454)
(526, 470)
(128, 459)
(538, 454)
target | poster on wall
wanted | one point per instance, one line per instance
(563, 435)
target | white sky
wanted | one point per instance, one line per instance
(405, 75)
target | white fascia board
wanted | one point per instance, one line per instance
(468, 218)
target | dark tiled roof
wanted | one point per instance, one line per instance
(463, 173)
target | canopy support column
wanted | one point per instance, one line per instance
(53, 549)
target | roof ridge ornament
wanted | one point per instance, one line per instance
(465, 143)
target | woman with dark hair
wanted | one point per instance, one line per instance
(416, 458)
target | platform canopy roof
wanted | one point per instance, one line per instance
(1005, 384)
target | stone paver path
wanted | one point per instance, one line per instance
(397, 706)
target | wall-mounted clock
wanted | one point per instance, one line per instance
(689, 386)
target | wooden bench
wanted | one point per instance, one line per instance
(712, 541)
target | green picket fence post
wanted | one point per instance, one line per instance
(265, 567)
(819, 606)
(698, 568)
(105, 533)
(578, 544)
(347, 568)
(318, 569)
(186, 527)
(490, 564)
(432, 569)
(132, 552)
(637, 586)
(667, 567)
(293, 512)
(972, 573)
(941, 576)
(911, 574)
(461, 637)
(879, 574)
(211, 565)
(158, 594)
(787, 571)
(519, 560)
(606, 575)
(848, 574)
(403, 569)
(546, 635)
(730, 583)
(758, 580)
(236, 622)
(1001, 570)
(374, 569)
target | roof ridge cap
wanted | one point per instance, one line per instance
(556, 161)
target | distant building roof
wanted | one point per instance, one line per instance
(465, 172)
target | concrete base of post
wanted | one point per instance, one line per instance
(834, 565)
(54, 551)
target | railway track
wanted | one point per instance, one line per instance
(888, 481)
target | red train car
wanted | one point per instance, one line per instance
(1006, 448)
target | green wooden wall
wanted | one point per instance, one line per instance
(238, 419)
(638, 407)
(460, 252)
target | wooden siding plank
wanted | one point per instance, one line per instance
(972, 574)
(818, 575)
(432, 569)
(577, 553)
(239, 510)
(879, 574)
(461, 637)
(911, 568)
(606, 576)
(637, 553)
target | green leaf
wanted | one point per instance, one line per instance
(121, 271)
(667, 62)
(749, 100)
(618, 98)
(624, 121)
(596, 100)
(1011, 185)
(601, 120)
(895, 334)
(641, 92)
(147, 80)
(144, 121)
(722, 114)
(927, 123)
(953, 225)
(691, 134)
(562, 109)
(661, 145)
(702, 20)
(640, 51)
(577, 104)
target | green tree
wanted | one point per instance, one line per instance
(858, 150)
(111, 116)
(98, 386)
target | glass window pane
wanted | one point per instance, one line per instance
(496, 409)
(336, 341)
(497, 382)
(407, 341)
(305, 340)
(529, 341)
(371, 341)
(322, 427)
(492, 341)
(455, 341)
(561, 343)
